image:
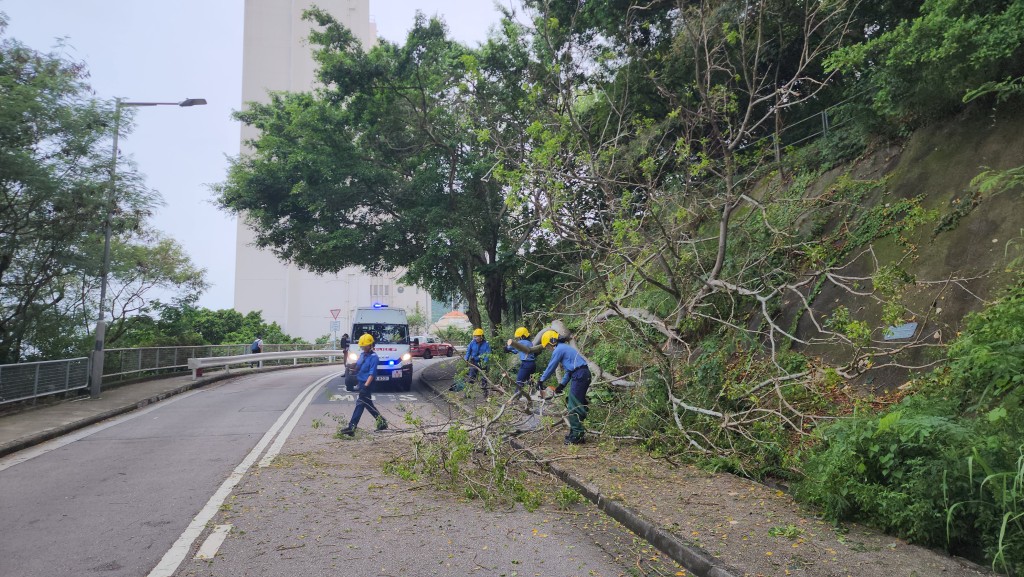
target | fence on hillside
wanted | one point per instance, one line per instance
(24, 381)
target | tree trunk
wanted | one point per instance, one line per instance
(472, 304)
(494, 296)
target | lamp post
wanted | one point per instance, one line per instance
(96, 377)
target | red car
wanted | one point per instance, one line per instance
(427, 346)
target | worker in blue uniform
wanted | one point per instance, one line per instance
(577, 376)
(527, 366)
(366, 373)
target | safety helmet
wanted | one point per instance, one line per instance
(522, 332)
(548, 338)
(478, 332)
(366, 340)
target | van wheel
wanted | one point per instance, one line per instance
(350, 383)
(427, 354)
(451, 352)
(407, 384)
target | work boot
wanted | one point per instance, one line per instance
(348, 431)
(574, 440)
(382, 425)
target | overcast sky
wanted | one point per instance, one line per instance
(168, 51)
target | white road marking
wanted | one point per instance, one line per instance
(390, 397)
(52, 445)
(276, 447)
(213, 542)
(177, 553)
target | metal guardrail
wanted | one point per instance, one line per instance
(125, 362)
(197, 364)
(24, 381)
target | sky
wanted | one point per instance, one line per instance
(168, 51)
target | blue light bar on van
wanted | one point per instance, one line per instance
(380, 306)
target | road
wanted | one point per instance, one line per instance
(138, 495)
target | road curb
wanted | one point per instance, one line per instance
(692, 557)
(53, 433)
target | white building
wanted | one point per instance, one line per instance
(276, 56)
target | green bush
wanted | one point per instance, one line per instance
(946, 466)
(987, 361)
(893, 470)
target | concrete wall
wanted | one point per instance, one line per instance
(276, 56)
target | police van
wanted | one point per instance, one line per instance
(390, 331)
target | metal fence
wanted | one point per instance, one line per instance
(30, 380)
(23, 381)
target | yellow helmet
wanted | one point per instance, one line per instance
(522, 332)
(548, 338)
(478, 332)
(366, 340)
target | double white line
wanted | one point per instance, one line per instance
(284, 425)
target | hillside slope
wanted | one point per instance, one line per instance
(955, 254)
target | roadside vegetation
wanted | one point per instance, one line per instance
(54, 186)
(699, 192)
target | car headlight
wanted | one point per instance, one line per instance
(353, 357)
(406, 357)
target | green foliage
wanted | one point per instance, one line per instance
(566, 498)
(390, 163)
(924, 67)
(965, 428)
(455, 335)
(859, 332)
(788, 531)
(54, 177)
(898, 219)
(55, 195)
(987, 361)
(882, 469)
(455, 463)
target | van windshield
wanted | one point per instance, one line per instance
(385, 334)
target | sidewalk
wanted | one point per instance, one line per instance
(718, 524)
(37, 425)
(715, 525)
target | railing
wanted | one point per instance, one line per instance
(197, 364)
(124, 362)
(30, 380)
(23, 381)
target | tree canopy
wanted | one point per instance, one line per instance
(389, 164)
(54, 193)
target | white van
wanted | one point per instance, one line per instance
(390, 330)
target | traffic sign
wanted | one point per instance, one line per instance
(335, 312)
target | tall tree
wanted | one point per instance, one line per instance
(54, 195)
(53, 177)
(387, 165)
(922, 67)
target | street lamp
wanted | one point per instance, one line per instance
(96, 378)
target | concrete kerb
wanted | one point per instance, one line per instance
(64, 429)
(692, 557)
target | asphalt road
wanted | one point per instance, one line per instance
(118, 497)
(232, 479)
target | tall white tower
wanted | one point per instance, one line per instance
(276, 56)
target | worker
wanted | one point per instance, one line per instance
(366, 372)
(577, 376)
(527, 366)
(478, 352)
